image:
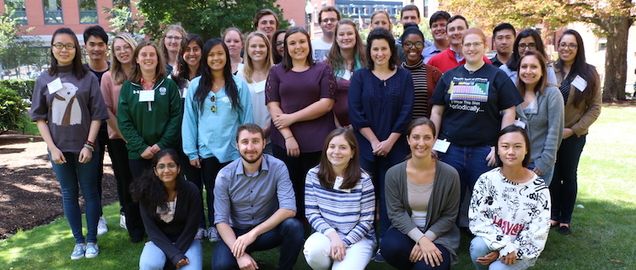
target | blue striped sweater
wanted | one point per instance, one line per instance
(350, 213)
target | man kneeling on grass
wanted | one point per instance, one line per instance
(255, 193)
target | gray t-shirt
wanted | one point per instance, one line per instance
(68, 110)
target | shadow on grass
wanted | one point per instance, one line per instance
(602, 239)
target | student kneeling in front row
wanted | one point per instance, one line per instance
(255, 193)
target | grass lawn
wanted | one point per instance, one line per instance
(603, 224)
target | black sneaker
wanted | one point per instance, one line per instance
(564, 230)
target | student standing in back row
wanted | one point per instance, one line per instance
(96, 45)
(328, 18)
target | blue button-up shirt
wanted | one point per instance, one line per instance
(249, 200)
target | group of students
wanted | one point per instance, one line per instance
(338, 138)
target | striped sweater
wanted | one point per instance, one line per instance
(349, 212)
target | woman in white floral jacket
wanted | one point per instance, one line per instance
(510, 208)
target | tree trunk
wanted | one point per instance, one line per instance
(616, 59)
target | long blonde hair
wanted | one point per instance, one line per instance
(248, 69)
(117, 71)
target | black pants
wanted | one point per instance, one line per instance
(134, 223)
(119, 158)
(563, 187)
(193, 174)
(298, 168)
(102, 140)
(210, 167)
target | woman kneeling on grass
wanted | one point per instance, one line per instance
(171, 209)
(422, 198)
(340, 206)
(510, 208)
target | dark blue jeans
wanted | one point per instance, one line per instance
(470, 162)
(289, 235)
(396, 248)
(564, 186)
(72, 177)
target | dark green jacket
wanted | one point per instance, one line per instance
(144, 124)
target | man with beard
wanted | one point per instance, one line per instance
(254, 206)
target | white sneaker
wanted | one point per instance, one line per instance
(101, 226)
(122, 221)
(213, 234)
(92, 250)
(78, 251)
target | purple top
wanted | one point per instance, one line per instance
(341, 107)
(295, 91)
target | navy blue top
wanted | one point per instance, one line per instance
(472, 102)
(385, 106)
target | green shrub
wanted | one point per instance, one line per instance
(12, 109)
(24, 88)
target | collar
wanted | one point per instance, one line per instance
(264, 166)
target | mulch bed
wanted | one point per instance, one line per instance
(29, 193)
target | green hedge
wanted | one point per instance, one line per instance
(24, 88)
(11, 109)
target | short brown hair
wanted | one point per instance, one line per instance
(251, 128)
(263, 12)
(160, 70)
(328, 9)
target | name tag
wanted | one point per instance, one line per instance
(346, 75)
(579, 83)
(184, 93)
(146, 95)
(54, 86)
(441, 146)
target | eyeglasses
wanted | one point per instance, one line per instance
(213, 99)
(571, 46)
(474, 44)
(174, 37)
(68, 46)
(410, 45)
(527, 45)
(329, 20)
(170, 166)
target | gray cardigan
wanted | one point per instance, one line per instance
(442, 209)
(545, 129)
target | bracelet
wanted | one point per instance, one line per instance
(89, 147)
(90, 143)
(288, 137)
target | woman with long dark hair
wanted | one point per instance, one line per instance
(299, 95)
(217, 103)
(68, 108)
(509, 209)
(580, 86)
(170, 208)
(346, 56)
(189, 62)
(528, 40)
(340, 206)
(121, 68)
(541, 112)
(278, 46)
(422, 196)
(148, 115)
(380, 106)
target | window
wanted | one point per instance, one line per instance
(19, 11)
(52, 11)
(88, 11)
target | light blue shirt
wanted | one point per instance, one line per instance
(208, 134)
(430, 51)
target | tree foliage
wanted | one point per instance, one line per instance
(206, 18)
(610, 18)
(122, 19)
(14, 50)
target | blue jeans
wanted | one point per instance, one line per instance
(73, 176)
(289, 235)
(470, 162)
(478, 248)
(153, 258)
(396, 248)
(564, 185)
